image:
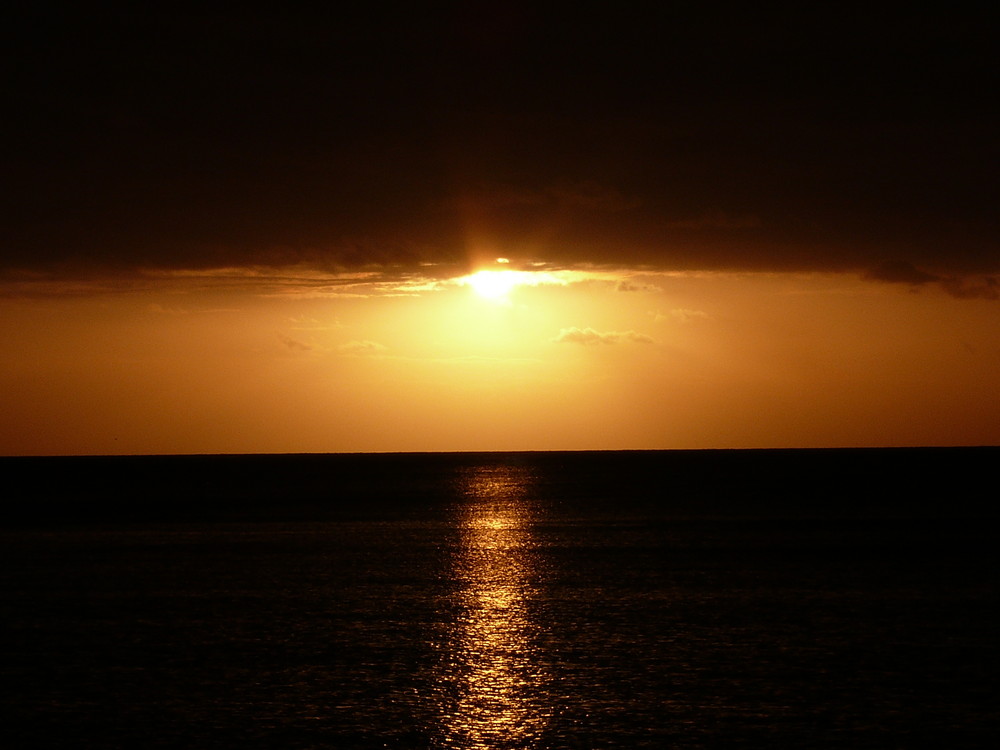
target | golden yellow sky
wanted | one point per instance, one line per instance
(229, 362)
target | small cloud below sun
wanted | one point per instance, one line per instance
(592, 337)
(362, 347)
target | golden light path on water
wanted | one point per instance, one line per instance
(493, 659)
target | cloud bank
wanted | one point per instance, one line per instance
(674, 140)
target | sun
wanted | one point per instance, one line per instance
(497, 285)
(493, 285)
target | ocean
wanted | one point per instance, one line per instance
(661, 599)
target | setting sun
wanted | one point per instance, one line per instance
(494, 285)
(498, 285)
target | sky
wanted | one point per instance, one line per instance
(498, 226)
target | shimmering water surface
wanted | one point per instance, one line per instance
(750, 599)
(492, 658)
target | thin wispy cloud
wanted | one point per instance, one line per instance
(294, 344)
(304, 323)
(362, 347)
(681, 315)
(630, 285)
(592, 337)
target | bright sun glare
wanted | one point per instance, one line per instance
(495, 285)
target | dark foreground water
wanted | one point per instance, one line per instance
(839, 599)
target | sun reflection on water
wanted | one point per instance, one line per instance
(493, 662)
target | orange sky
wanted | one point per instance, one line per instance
(610, 360)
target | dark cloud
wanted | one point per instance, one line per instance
(977, 288)
(901, 272)
(960, 287)
(690, 138)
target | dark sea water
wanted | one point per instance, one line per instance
(747, 599)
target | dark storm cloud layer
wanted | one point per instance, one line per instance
(832, 139)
